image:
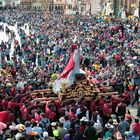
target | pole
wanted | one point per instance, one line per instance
(139, 8)
(0, 60)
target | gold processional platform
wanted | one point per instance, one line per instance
(81, 88)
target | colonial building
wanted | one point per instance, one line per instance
(26, 4)
(45, 5)
(83, 7)
(59, 5)
(42, 5)
(9, 3)
(130, 5)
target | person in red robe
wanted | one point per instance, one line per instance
(107, 111)
(136, 127)
(4, 103)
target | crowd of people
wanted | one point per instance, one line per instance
(109, 53)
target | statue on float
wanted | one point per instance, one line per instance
(107, 10)
(69, 72)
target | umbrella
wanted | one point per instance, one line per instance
(2, 126)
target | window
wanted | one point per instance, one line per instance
(82, 9)
(69, 7)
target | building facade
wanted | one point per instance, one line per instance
(59, 5)
(95, 6)
(10, 3)
(83, 7)
(128, 5)
(26, 4)
(45, 5)
(2, 3)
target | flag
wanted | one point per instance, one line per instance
(68, 74)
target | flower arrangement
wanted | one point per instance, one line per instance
(64, 86)
(54, 76)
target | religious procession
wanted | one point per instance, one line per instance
(69, 77)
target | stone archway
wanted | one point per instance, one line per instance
(56, 8)
(13, 4)
(50, 8)
(62, 8)
(59, 8)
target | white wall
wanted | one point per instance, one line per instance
(3, 2)
(95, 6)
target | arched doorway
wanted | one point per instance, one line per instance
(13, 4)
(50, 8)
(58, 8)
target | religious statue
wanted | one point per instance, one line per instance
(107, 10)
(136, 12)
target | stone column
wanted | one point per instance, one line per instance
(79, 7)
(139, 7)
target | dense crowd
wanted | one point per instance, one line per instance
(109, 53)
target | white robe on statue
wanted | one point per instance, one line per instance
(136, 13)
(108, 9)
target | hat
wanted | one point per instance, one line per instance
(109, 126)
(62, 120)
(9, 85)
(53, 124)
(21, 127)
(45, 134)
(18, 136)
(84, 119)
